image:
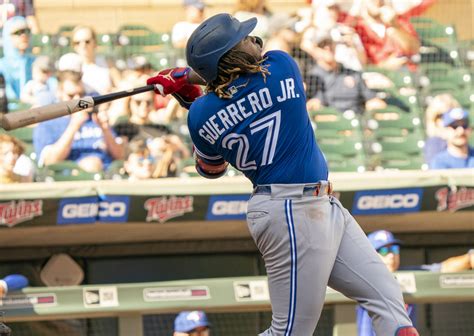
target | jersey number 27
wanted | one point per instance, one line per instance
(270, 123)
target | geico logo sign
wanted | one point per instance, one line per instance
(220, 208)
(397, 201)
(88, 210)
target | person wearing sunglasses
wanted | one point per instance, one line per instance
(16, 64)
(95, 72)
(191, 323)
(457, 131)
(388, 248)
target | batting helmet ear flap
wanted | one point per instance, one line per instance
(212, 39)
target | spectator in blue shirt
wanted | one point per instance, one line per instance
(458, 153)
(16, 64)
(84, 137)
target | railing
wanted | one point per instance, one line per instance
(130, 302)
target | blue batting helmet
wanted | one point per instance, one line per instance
(212, 39)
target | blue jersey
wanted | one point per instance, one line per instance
(88, 141)
(264, 130)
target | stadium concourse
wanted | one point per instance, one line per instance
(390, 97)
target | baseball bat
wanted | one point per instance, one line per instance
(11, 121)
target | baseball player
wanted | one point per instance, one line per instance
(254, 117)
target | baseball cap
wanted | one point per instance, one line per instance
(382, 238)
(70, 62)
(189, 320)
(453, 115)
(17, 25)
(43, 63)
(195, 3)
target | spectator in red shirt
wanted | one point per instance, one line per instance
(389, 38)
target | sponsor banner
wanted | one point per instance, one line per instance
(14, 212)
(227, 207)
(407, 282)
(251, 290)
(100, 297)
(456, 281)
(28, 301)
(176, 293)
(374, 202)
(164, 208)
(93, 209)
(454, 199)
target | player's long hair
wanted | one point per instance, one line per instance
(231, 66)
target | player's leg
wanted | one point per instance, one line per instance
(296, 237)
(360, 274)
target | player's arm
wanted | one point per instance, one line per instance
(210, 167)
(182, 83)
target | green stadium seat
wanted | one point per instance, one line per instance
(438, 33)
(67, 171)
(398, 161)
(17, 105)
(393, 117)
(340, 145)
(408, 144)
(340, 163)
(24, 134)
(332, 119)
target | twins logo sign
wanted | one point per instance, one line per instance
(374, 202)
(93, 209)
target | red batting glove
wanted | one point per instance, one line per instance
(187, 95)
(169, 80)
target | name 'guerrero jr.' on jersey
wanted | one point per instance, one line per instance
(258, 127)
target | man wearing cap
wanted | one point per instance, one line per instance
(388, 248)
(458, 153)
(191, 323)
(332, 84)
(194, 13)
(17, 60)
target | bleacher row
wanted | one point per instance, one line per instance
(392, 138)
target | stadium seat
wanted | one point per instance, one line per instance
(25, 134)
(393, 117)
(67, 171)
(17, 105)
(409, 144)
(340, 163)
(398, 161)
(330, 118)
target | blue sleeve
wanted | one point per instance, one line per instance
(202, 146)
(437, 163)
(45, 134)
(364, 322)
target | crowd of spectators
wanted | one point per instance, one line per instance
(340, 47)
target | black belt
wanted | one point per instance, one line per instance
(309, 190)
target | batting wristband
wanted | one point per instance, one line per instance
(211, 171)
